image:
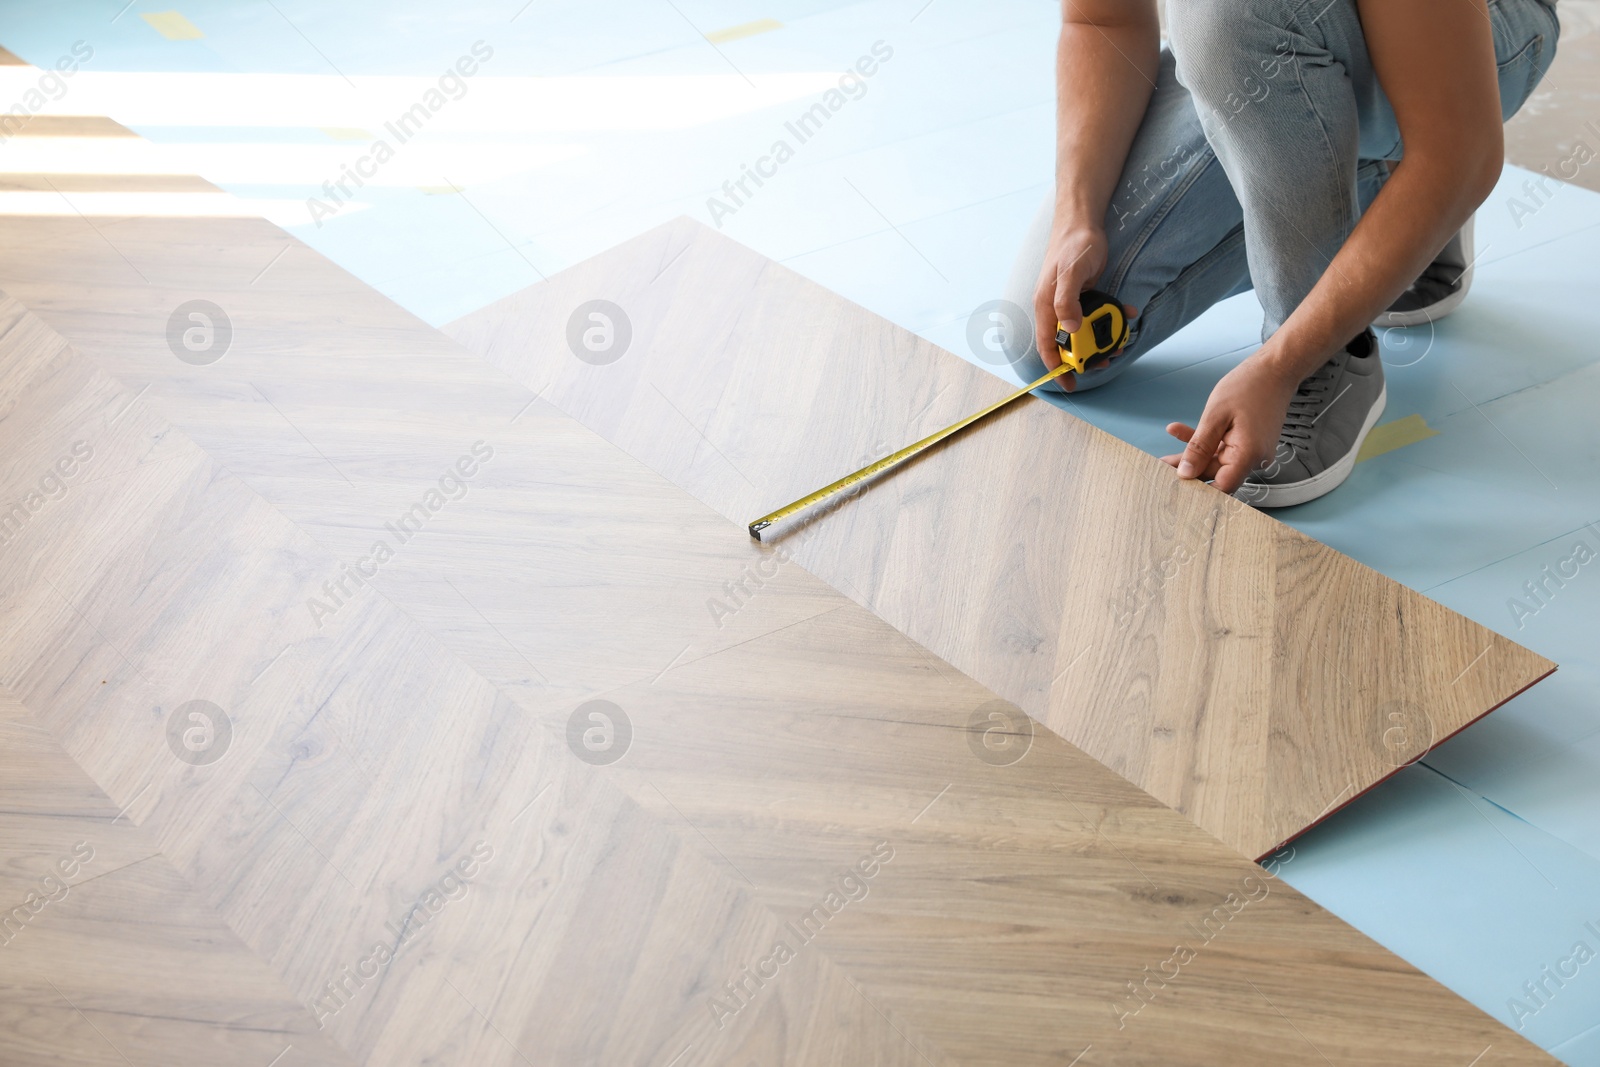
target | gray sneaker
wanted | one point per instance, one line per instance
(1440, 289)
(1329, 417)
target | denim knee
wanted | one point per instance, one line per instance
(1228, 51)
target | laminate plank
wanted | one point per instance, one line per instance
(771, 746)
(1068, 886)
(368, 752)
(96, 183)
(347, 447)
(106, 954)
(69, 125)
(1239, 671)
(367, 757)
(365, 763)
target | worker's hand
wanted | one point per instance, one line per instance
(1239, 428)
(1073, 261)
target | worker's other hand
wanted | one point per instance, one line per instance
(1239, 428)
(1073, 261)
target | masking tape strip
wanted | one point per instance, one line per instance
(744, 29)
(1392, 435)
(172, 25)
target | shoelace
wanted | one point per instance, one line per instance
(1307, 405)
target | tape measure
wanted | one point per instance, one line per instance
(1104, 330)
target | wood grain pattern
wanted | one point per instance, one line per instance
(1248, 676)
(1025, 911)
(1018, 905)
(365, 763)
(66, 125)
(106, 954)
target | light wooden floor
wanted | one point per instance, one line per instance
(1232, 667)
(1009, 905)
(423, 727)
(107, 954)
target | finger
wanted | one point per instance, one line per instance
(1203, 444)
(1231, 475)
(1068, 311)
(1206, 475)
(1044, 327)
(1182, 431)
(1128, 315)
(1069, 316)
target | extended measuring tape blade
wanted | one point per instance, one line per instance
(1104, 330)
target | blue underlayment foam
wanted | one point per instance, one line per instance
(1468, 893)
(1481, 866)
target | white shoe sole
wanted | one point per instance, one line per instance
(1436, 311)
(1432, 313)
(1291, 493)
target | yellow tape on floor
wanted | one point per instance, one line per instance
(744, 29)
(1392, 435)
(172, 25)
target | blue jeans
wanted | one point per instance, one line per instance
(1263, 142)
